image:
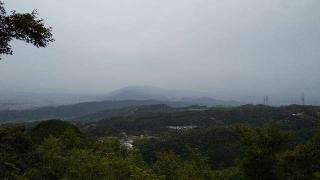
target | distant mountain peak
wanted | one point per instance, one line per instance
(161, 94)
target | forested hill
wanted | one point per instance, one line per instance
(81, 110)
(68, 112)
(127, 111)
(289, 117)
(159, 142)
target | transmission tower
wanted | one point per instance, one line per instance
(266, 100)
(302, 99)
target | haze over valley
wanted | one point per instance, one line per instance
(232, 50)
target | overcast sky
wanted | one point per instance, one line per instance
(237, 47)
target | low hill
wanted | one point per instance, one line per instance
(293, 117)
(127, 111)
(160, 94)
(68, 112)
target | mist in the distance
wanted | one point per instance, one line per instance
(241, 50)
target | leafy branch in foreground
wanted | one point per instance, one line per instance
(22, 26)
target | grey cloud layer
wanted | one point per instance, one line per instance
(243, 48)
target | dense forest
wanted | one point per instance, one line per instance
(247, 142)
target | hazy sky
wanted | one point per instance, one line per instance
(247, 47)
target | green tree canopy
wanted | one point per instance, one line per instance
(22, 26)
(55, 128)
(262, 145)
